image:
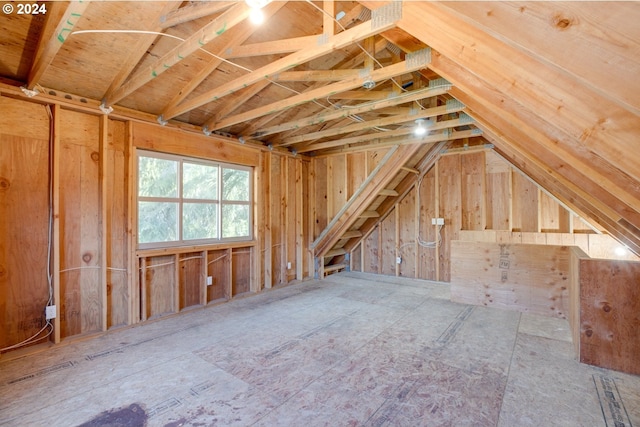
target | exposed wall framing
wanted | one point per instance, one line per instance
(480, 196)
(100, 281)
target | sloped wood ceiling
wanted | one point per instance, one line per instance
(553, 85)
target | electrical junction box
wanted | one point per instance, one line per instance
(437, 221)
(209, 280)
(50, 312)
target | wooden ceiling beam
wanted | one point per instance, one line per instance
(318, 75)
(322, 92)
(342, 113)
(385, 121)
(241, 32)
(193, 11)
(54, 34)
(237, 102)
(206, 34)
(302, 56)
(328, 24)
(379, 137)
(275, 47)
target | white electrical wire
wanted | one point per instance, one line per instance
(423, 243)
(48, 324)
(157, 33)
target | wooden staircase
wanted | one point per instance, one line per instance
(392, 179)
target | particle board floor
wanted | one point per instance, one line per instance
(352, 350)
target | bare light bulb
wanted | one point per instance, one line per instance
(256, 16)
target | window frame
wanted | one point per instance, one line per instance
(181, 200)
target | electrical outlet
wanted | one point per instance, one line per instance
(209, 280)
(288, 266)
(437, 221)
(50, 312)
(398, 260)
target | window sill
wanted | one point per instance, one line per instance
(172, 250)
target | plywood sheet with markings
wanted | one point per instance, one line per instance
(526, 278)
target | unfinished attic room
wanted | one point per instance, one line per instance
(320, 213)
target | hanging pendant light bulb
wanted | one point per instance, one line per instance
(420, 128)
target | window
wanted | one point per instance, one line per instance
(189, 201)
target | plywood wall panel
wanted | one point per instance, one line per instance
(190, 277)
(320, 191)
(336, 184)
(449, 188)
(388, 245)
(24, 193)
(371, 245)
(473, 188)
(116, 223)
(407, 227)
(80, 287)
(23, 119)
(428, 198)
(240, 271)
(158, 279)
(218, 262)
(609, 321)
(356, 172)
(525, 198)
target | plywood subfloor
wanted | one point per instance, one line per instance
(352, 350)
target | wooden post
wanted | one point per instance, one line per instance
(55, 243)
(104, 236)
(133, 277)
(299, 215)
(268, 262)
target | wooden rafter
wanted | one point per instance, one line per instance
(237, 102)
(321, 118)
(241, 33)
(310, 52)
(193, 11)
(322, 92)
(212, 30)
(569, 105)
(138, 50)
(275, 47)
(317, 75)
(403, 140)
(415, 115)
(52, 40)
(377, 136)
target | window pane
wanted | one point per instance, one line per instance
(157, 222)
(235, 221)
(199, 181)
(235, 185)
(199, 221)
(157, 177)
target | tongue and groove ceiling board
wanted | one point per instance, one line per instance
(553, 85)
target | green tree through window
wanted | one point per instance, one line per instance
(187, 201)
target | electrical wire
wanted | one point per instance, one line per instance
(157, 33)
(423, 243)
(34, 338)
